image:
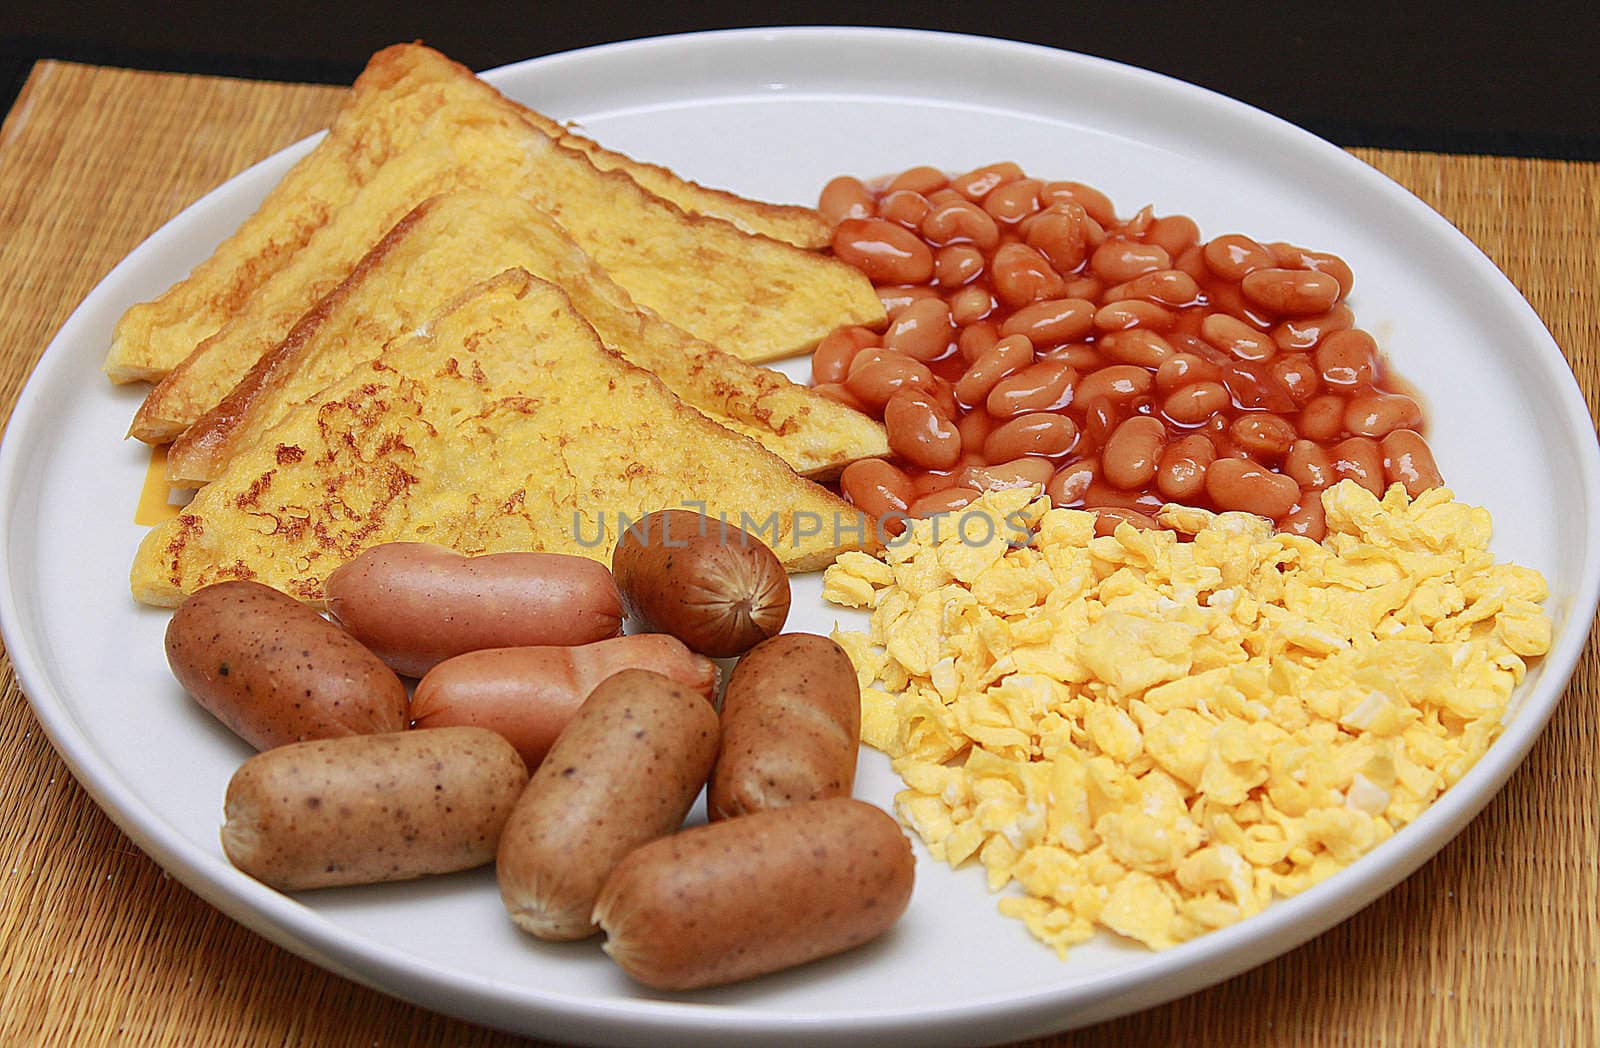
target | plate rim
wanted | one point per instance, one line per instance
(293, 926)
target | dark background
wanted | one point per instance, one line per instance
(1504, 78)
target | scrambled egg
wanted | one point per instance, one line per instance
(1158, 735)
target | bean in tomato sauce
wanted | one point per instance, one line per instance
(1034, 337)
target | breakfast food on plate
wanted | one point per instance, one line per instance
(276, 672)
(763, 892)
(1157, 735)
(1192, 624)
(791, 727)
(450, 242)
(624, 771)
(1036, 338)
(370, 808)
(529, 694)
(483, 432)
(416, 604)
(402, 86)
(706, 581)
(752, 296)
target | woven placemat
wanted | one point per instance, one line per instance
(1493, 942)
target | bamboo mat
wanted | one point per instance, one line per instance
(1496, 941)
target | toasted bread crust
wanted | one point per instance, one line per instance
(503, 424)
(455, 240)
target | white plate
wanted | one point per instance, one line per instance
(774, 114)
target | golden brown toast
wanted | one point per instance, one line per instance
(450, 242)
(749, 295)
(400, 88)
(504, 424)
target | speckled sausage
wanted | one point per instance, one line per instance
(625, 771)
(791, 727)
(757, 894)
(416, 603)
(529, 694)
(371, 808)
(275, 671)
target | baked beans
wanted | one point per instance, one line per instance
(1131, 313)
(1264, 436)
(1307, 332)
(1095, 203)
(1236, 338)
(1174, 233)
(1359, 459)
(879, 488)
(1063, 233)
(1181, 472)
(882, 374)
(1045, 386)
(1044, 433)
(831, 361)
(846, 197)
(1140, 346)
(1308, 463)
(1051, 322)
(945, 500)
(1021, 274)
(1071, 482)
(1347, 359)
(1291, 292)
(1011, 202)
(1133, 451)
(1119, 382)
(1106, 519)
(919, 432)
(1407, 460)
(905, 207)
(1182, 369)
(1028, 471)
(954, 265)
(1034, 338)
(1003, 358)
(885, 252)
(923, 330)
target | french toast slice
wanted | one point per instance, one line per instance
(383, 113)
(504, 424)
(452, 241)
(750, 295)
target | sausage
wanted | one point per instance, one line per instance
(275, 671)
(741, 898)
(714, 586)
(529, 694)
(791, 727)
(369, 808)
(625, 771)
(417, 603)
